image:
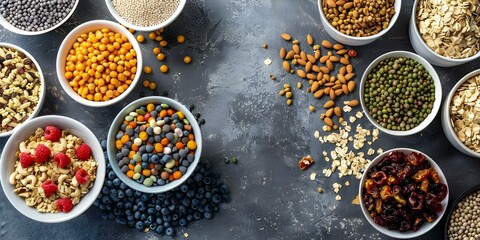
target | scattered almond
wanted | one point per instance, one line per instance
(286, 36)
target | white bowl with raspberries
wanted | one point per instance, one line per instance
(52, 169)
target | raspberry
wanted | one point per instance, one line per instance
(83, 152)
(49, 187)
(82, 176)
(62, 160)
(64, 205)
(52, 133)
(42, 153)
(26, 159)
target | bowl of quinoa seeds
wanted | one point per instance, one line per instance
(21, 88)
(145, 15)
(35, 17)
(463, 220)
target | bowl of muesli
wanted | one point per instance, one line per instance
(22, 88)
(52, 169)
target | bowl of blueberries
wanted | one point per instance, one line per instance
(33, 18)
(154, 144)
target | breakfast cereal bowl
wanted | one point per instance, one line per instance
(6, 23)
(106, 75)
(34, 180)
(403, 193)
(379, 87)
(349, 39)
(154, 144)
(462, 127)
(421, 47)
(28, 69)
(156, 17)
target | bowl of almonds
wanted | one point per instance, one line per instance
(22, 88)
(445, 33)
(52, 169)
(357, 23)
(460, 114)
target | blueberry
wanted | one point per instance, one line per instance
(139, 225)
(131, 223)
(117, 211)
(153, 226)
(197, 215)
(208, 208)
(167, 218)
(159, 229)
(111, 175)
(129, 192)
(166, 224)
(120, 194)
(137, 215)
(106, 199)
(144, 197)
(189, 217)
(121, 220)
(182, 209)
(207, 215)
(151, 211)
(201, 190)
(113, 193)
(159, 220)
(190, 193)
(208, 195)
(225, 198)
(165, 211)
(109, 184)
(148, 220)
(224, 189)
(175, 217)
(184, 188)
(182, 222)
(169, 231)
(198, 177)
(143, 217)
(128, 205)
(123, 186)
(207, 180)
(186, 202)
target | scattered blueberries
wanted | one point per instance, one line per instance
(198, 197)
(35, 15)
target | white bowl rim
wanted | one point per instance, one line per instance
(447, 104)
(422, 42)
(61, 55)
(167, 22)
(93, 192)
(438, 92)
(42, 86)
(112, 132)
(14, 29)
(393, 233)
(371, 37)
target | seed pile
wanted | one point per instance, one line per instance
(199, 197)
(319, 71)
(19, 88)
(359, 18)
(145, 13)
(465, 113)
(464, 222)
(35, 15)
(451, 28)
(399, 93)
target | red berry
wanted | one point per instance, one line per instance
(52, 133)
(64, 205)
(49, 187)
(82, 176)
(42, 153)
(83, 152)
(62, 160)
(352, 53)
(26, 159)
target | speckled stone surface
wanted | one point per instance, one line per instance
(245, 117)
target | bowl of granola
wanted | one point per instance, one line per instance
(52, 169)
(22, 87)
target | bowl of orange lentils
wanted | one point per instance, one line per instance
(154, 144)
(97, 63)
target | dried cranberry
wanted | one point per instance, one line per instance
(352, 53)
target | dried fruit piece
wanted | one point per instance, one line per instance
(305, 162)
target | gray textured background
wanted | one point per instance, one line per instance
(229, 84)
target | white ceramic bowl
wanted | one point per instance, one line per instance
(67, 45)
(426, 52)
(446, 120)
(8, 162)
(436, 103)
(41, 90)
(351, 40)
(122, 21)
(115, 126)
(14, 29)
(426, 226)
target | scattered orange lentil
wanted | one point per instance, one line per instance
(152, 85)
(140, 38)
(163, 43)
(147, 69)
(187, 59)
(152, 35)
(180, 39)
(156, 50)
(160, 57)
(146, 83)
(164, 68)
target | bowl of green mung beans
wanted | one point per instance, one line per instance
(400, 93)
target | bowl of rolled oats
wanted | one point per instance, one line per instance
(461, 114)
(446, 33)
(22, 87)
(53, 169)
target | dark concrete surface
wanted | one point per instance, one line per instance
(245, 117)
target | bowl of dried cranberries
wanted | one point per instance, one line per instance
(403, 193)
